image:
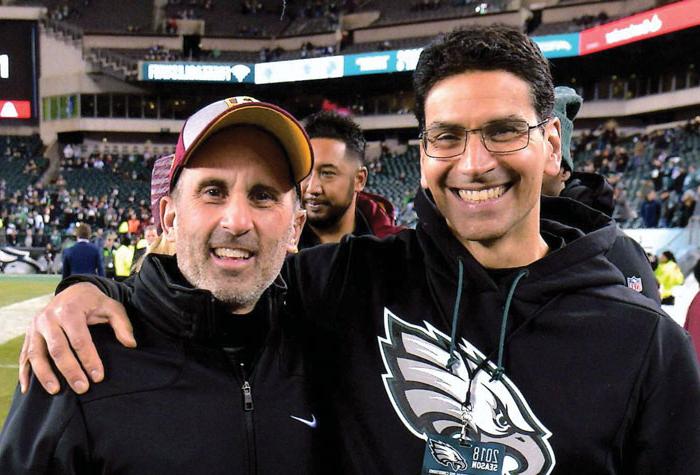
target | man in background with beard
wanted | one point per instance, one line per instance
(333, 195)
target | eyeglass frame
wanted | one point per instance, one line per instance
(424, 138)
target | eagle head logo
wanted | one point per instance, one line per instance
(446, 455)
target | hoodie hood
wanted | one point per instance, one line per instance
(579, 264)
(591, 189)
(379, 213)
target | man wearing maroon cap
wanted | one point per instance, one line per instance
(217, 382)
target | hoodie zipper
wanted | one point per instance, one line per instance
(247, 393)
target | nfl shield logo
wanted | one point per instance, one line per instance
(634, 283)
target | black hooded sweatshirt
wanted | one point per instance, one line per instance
(589, 376)
(182, 402)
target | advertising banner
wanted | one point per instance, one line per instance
(656, 22)
(194, 72)
(299, 70)
(558, 46)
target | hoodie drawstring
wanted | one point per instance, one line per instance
(454, 359)
(504, 322)
(455, 315)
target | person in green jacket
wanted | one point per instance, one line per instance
(669, 275)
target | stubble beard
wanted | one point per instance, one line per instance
(234, 294)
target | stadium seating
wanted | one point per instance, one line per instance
(20, 162)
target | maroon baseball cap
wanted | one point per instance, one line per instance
(160, 185)
(243, 110)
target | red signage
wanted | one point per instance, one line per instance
(674, 17)
(15, 109)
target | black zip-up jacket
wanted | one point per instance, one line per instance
(177, 404)
(589, 376)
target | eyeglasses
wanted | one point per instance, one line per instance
(502, 136)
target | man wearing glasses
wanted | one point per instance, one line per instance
(488, 340)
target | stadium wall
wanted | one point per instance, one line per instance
(642, 105)
(432, 28)
(564, 13)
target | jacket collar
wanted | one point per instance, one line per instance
(168, 302)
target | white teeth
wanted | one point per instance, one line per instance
(482, 195)
(231, 253)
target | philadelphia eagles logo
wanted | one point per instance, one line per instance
(446, 455)
(428, 398)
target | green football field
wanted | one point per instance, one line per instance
(15, 289)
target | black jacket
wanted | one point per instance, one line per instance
(590, 378)
(622, 251)
(176, 404)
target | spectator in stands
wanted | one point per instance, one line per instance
(108, 255)
(669, 275)
(692, 319)
(333, 194)
(650, 210)
(624, 252)
(68, 152)
(150, 234)
(686, 208)
(83, 257)
(49, 256)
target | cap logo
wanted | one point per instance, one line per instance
(233, 101)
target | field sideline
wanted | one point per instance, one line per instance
(15, 289)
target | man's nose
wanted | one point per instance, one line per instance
(238, 216)
(476, 160)
(312, 184)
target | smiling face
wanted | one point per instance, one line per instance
(489, 199)
(329, 191)
(233, 216)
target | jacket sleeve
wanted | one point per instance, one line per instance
(44, 434)
(628, 256)
(665, 432)
(120, 291)
(310, 276)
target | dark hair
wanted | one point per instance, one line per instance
(669, 255)
(83, 231)
(330, 125)
(484, 48)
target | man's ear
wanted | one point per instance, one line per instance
(168, 217)
(299, 220)
(361, 179)
(423, 158)
(552, 145)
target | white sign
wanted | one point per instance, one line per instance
(196, 72)
(634, 30)
(299, 70)
(407, 59)
(4, 66)
(373, 63)
(555, 45)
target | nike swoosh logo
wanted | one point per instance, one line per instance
(313, 423)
